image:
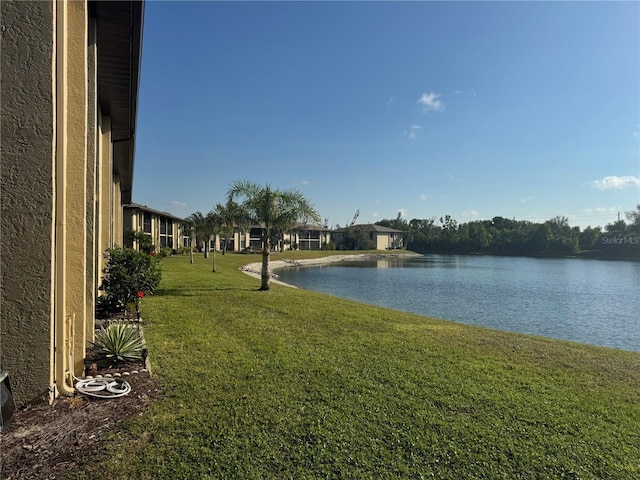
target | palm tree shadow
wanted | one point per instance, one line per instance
(196, 292)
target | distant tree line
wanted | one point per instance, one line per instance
(502, 236)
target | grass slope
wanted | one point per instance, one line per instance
(293, 384)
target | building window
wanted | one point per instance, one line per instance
(255, 238)
(166, 232)
(146, 226)
(227, 243)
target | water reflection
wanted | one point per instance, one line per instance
(589, 301)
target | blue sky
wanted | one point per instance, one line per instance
(472, 109)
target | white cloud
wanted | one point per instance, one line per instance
(403, 212)
(304, 182)
(601, 210)
(412, 133)
(526, 199)
(374, 215)
(177, 204)
(472, 214)
(616, 183)
(392, 100)
(636, 132)
(431, 102)
(423, 197)
(458, 92)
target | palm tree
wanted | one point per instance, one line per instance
(273, 210)
(203, 228)
(189, 229)
(196, 220)
(214, 225)
(243, 221)
(231, 215)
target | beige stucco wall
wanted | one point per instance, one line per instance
(76, 177)
(388, 240)
(155, 230)
(240, 240)
(92, 177)
(116, 212)
(104, 194)
(177, 234)
(61, 206)
(130, 224)
(27, 196)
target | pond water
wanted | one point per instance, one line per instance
(589, 301)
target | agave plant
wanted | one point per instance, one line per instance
(118, 342)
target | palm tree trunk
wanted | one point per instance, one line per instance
(191, 249)
(214, 254)
(266, 253)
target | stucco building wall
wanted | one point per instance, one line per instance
(27, 195)
(63, 95)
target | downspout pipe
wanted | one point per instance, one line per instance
(60, 327)
(63, 374)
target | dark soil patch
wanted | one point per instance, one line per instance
(45, 442)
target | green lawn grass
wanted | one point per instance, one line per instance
(294, 384)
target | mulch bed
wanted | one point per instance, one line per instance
(46, 441)
(43, 442)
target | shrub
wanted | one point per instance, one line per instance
(128, 272)
(106, 304)
(330, 245)
(118, 342)
(145, 243)
(166, 251)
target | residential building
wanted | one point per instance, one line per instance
(69, 76)
(307, 237)
(166, 230)
(300, 237)
(368, 236)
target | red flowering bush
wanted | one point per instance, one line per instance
(128, 276)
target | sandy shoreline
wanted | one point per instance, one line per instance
(254, 269)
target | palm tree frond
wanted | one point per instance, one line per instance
(274, 210)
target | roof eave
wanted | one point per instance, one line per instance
(119, 40)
